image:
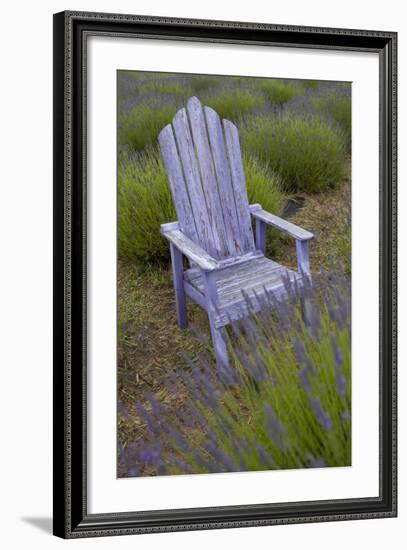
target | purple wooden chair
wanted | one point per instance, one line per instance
(203, 162)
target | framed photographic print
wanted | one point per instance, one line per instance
(224, 274)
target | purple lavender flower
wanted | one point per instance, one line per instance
(322, 416)
(150, 454)
(123, 411)
(337, 352)
(302, 357)
(265, 457)
(275, 430)
(315, 462)
(340, 379)
(147, 417)
(305, 383)
(221, 457)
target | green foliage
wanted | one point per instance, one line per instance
(339, 108)
(141, 84)
(263, 186)
(180, 88)
(279, 91)
(307, 152)
(266, 188)
(200, 83)
(309, 84)
(144, 203)
(233, 102)
(140, 127)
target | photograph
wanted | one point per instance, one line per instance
(233, 274)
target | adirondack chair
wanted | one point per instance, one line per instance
(203, 162)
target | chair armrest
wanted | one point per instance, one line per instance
(190, 249)
(270, 219)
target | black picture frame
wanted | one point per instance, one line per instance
(71, 519)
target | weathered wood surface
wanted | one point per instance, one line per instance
(178, 282)
(231, 302)
(209, 183)
(239, 184)
(250, 279)
(279, 223)
(177, 183)
(247, 276)
(211, 305)
(240, 259)
(189, 191)
(261, 235)
(203, 160)
(191, 250)
(223, 181)
(303, 257)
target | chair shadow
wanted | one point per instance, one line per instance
(42, 523)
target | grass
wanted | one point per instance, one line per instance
(307, 152)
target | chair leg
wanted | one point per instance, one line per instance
(178, 282)
(303, 257)
(219, 343)
(218, 334)
(261, 236)
(306, 308)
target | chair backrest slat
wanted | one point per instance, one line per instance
(192, 177)
(203, 161)
(177, 183)
(208, 177)
(224, 180)
(239, 184)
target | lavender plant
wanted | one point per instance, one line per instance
(307, 151)
(141, 119)
(233, 100)
(329, 100)
(279, 91)
(284, 401)
(334, 100)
